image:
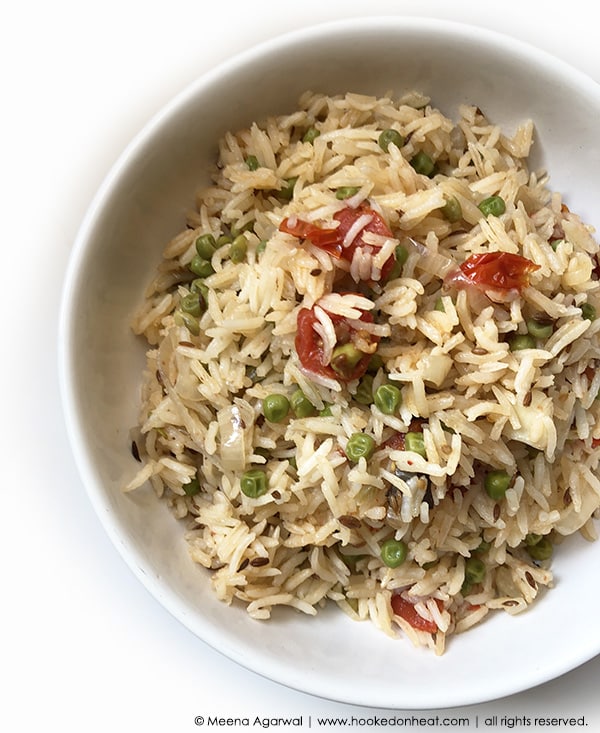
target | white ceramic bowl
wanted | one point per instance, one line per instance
(141, 205)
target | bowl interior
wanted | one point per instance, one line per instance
(142, 205)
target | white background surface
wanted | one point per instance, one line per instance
(83, 646)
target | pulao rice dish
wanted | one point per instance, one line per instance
(372, 369)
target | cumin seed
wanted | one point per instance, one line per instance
(135, 451)
(349, 521)
(258, 562)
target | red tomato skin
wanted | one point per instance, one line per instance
(322, 237)
(347, 217)
(331, 239)
(406, 610)
(310, 351)
(307, 347)
(396, 441)
(500, 271)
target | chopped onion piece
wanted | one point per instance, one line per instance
(232, 443)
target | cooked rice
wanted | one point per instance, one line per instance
(316, 534)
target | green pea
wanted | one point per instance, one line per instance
(439, 305)
(252, 163)
(206, 246)
(201, 267)
(301, 405)
(261, 246)
(252, 374)
(532, 539)
(223, 240)
(238, 249)
(310, 135)
(192, 487)
(393, 553)
(344, 359)
(521, 341)
(359, 445)
(588, 312)
(390, 137)
(287, 190)
(539, 328)
(496, 483)
(555, 242)
(415, 442)
(199, 288)
(423, 164)
(492, 206)
(344, 192)
(400, 257)
(191, 304)
(254, 483)
(452, 210)
(474, 570)
(483, 546)
(237, 230)
(275, 407)
(375, 364)
(189, 321)
(401, 254)
(326, 411)
(364, 391)
(388, 398)
(541, 550)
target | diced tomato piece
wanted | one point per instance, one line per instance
(309, 344)
(331, 240)
(499, 271)
(406, 610)
(396, 441)
(327, 239)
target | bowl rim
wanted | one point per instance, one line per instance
(73, 419)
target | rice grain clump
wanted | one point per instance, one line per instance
(372, 375)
